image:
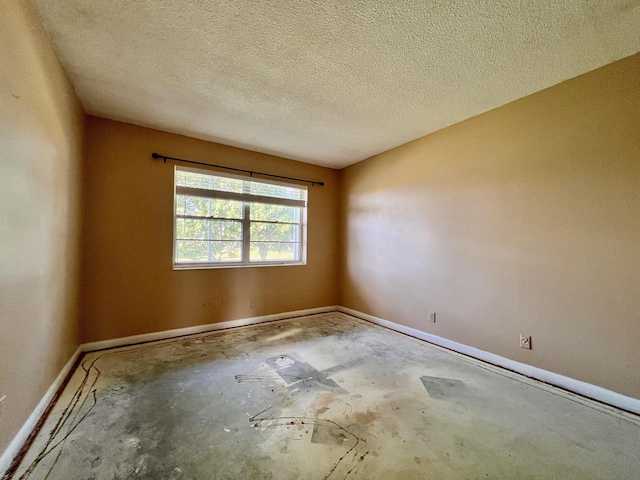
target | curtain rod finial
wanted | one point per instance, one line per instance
(155, 155)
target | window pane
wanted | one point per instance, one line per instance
(187, 205)
(226, 208)
(208, 207)
(225, 230)
(189, 228)
(274, 232)
(274, 252)
(208, 182)
(180, 207)
(226, 251)
(275, 213)
(191, 251)
(208, 251)
(277, 191)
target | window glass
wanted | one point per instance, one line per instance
(275, 213)
(273, 232)
(208, 182)
(262, 252)
(194, 251)
(212, 228)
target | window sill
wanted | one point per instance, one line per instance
(214, 266)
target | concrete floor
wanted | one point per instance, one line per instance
(322, 397)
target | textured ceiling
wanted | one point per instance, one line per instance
(329, 82)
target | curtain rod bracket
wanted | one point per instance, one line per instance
(250, 172)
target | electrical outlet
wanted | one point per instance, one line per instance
(432, 317)
(525, 342)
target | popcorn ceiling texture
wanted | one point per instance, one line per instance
(326, 82)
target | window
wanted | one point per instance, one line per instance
(229, 220)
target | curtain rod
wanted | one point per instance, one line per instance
(250, 172)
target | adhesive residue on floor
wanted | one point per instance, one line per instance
(321, 397)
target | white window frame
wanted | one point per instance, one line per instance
(246, 226)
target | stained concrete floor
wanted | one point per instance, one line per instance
(322, 397)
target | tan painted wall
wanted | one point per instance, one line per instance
(41, 125)
(522, 220)
(129, 286)
(525, 219)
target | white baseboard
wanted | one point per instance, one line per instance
(23, 434)
(180, 332)
(582, 388)
(21, 437)
(576, 386)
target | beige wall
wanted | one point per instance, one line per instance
(522, 220)
(40, 154)
(525, 219)
(129, 286)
